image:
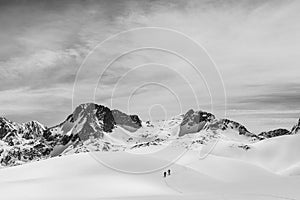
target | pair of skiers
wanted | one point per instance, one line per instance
(167, 173)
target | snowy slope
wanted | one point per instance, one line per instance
(209, 158)
(96, 128)
(88, 179)
(276, 154)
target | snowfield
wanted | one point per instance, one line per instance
(98, 153)
(217, 176)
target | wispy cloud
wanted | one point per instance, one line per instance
(276, 96)
(254, 43)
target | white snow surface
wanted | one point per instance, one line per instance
(217, 176)
(207, 165)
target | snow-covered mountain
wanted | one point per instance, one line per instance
(274, 133)
(20, 143)
(232, 129)
(28, 130)
(281, 132)
(93, 120)
(28, 141)
(93, 127)
(234, 166)
(195, 121)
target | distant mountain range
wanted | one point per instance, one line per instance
(194, 121)
(105, 129)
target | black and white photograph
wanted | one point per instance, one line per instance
(149, 100)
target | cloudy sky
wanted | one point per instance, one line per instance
(52, 57)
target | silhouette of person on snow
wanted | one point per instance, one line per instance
(165, 174)
(169, 172)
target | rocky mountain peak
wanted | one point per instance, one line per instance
(87, 119)
(93, 119)
(274, 133)
(31, 129)
(296, 128)
(129, 122)
(194, 121)
(7, 127)
(2, 119)
(227, 124)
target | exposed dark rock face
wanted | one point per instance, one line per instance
(281, 132)
(28, 130)
(230, 124)
(274, 133)
(126, 120)
(7, 127)
(194, 121)
(245, 147)
(296, 128)
(21, 143)
(32, 130)
(87, 120)
(227, 124)
(195, 117)
(92, 120)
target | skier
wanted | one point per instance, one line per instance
(169, 172)
(165, 174)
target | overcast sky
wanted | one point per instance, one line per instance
(254, 44)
